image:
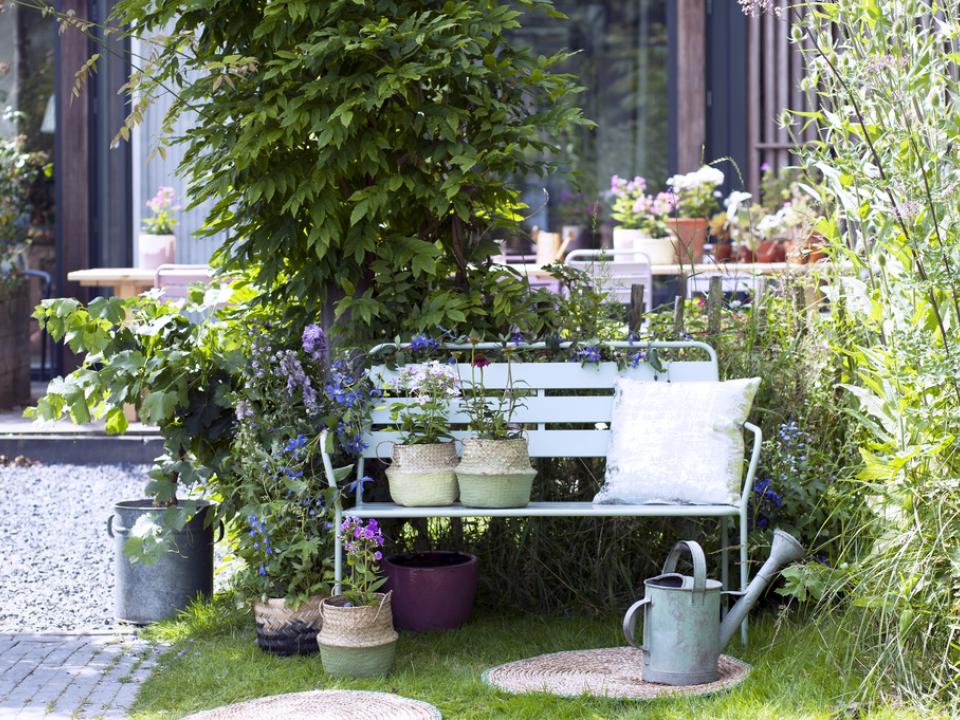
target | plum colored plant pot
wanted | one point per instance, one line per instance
(692, 236)
(431, 590)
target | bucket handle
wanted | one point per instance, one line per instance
(110, 526)
(699, 563)
(630, 624)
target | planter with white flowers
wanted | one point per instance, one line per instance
(641, 221)
(695, 195)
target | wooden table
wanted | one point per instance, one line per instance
(126, 282)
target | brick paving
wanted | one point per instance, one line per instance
(75, 676)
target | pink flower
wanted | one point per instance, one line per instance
(378, 555)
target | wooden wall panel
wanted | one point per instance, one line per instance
(774, 72)
(691, 84)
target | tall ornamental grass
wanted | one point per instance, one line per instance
(887, 74)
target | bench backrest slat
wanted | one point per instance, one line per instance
(553, 400)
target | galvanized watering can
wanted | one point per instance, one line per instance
(682, 631)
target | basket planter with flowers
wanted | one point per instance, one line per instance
(641, 220)
(494, 469)
(282, 503)
(422, 473)
(157, 245)
(357, 638)
(695, 194)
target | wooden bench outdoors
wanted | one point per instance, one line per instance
(541, 414)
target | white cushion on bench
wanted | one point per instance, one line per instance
(678, 442)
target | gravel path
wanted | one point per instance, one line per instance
(57, 573)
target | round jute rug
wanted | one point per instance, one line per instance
(606, 672)
(324, 705)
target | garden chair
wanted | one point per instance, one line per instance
(614, 276)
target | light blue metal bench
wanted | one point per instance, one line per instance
(544, 410)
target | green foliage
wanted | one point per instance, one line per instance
(358, 153)
(177, 374)
(886, 74)
(19, 170)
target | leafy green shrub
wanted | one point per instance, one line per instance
(886, 74)
(357, 153)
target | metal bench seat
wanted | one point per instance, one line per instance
(566, 413)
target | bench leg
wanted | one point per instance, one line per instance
(725, 553)
(337, 551)
(744, 575)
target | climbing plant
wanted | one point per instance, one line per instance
(349, 145)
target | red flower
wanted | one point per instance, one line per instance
(480, 361)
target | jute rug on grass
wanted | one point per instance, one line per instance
(324, 705)
(606, 672)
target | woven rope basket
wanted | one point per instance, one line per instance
(281, 630)
(324, 705)
(495, 473)
(423, 475)
(366, 626)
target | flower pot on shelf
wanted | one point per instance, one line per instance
(423, 475)
(357, 641)
(431, 590)
(284, 630)
(661, 251)
(745, 254)
(771, 251)
(145, 593)
(495, 473)
(691, 237)
(723, 251)
(156, 250)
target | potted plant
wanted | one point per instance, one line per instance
(18, 171)
(357, 638)
(157, 244)
(641, 220)
(494, 470)
(276, 492)
(722, 242)
(695, 199)
(432, 590)
(422, 472)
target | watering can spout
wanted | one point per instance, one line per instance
(785, 550)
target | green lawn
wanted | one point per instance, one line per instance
(214, 661)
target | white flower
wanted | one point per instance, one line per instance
(706, 175)
(735, 201)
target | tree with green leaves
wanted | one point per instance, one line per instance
(359, 155)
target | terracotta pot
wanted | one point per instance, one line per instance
(815, 245)
(692, 236)
(431, 590)
(770, 251)
(745, 255)
(723, 251)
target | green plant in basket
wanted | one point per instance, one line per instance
(491, 420)
(429, 387)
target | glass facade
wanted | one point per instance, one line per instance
(28, 110)
(622, 60)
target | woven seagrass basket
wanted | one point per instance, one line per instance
(282, 630)
(423, 475)
(357, 641)
(495, 473)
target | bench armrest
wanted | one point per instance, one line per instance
(752, 469)
(327, 460)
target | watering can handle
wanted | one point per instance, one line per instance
(630, 623)
(699, 562)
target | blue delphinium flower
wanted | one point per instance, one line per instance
(295, 444)
(314, 342)
(517, 338)
(423, 342)
(590, 354)
(637, 358)
(359, 483)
